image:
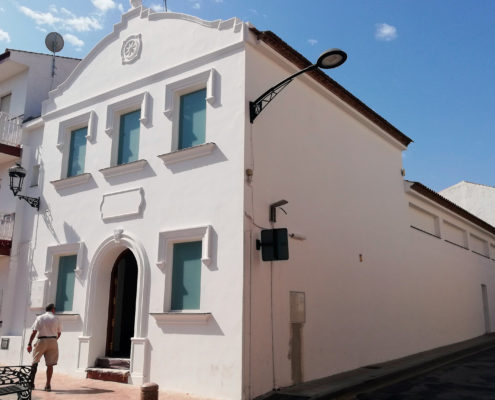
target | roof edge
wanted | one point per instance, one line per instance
(439, 199)
(277, 44)
(5, 55)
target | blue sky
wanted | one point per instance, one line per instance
(427, 66)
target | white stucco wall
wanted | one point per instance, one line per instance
(39, 78)
(197, 358)
(475, 198)
(345, 192)
(17, 87)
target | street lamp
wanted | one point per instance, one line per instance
(329, 59)
(17, 175)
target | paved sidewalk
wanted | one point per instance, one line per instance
(65, 387)
(348, 384)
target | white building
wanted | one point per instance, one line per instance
(478, 199)
(25, 80)
(154, 188)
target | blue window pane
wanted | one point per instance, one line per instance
(77, 152)
(186, 276)
(192, 119)
(65, 283)
(129, 137)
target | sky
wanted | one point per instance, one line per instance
(426, 66)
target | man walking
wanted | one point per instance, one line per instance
(49, 329)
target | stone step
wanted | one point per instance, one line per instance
(113, 363)
(108, 374)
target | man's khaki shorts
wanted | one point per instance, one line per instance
(47, 348)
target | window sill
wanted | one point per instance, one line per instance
(65, 315)
(71, 181)
(182, 318)
(123, 169)
(188, 154)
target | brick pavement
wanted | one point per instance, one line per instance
(65, 387)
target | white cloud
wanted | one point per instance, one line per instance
(69, 21)
(67, 12)
(385, 32)
(2, 9)
(82, 24)
(196, 6)
(74, 40)
(104, 5)
(53, 8)
(39, 28)
(218, 1)
(157, 7)
(121, 8)
(4, 36)
(38, 17)
(312, 42)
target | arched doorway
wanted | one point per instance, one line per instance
(122, 305)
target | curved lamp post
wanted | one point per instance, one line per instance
(17, 175)
(329, 59)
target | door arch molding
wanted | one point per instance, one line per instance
(99, 271)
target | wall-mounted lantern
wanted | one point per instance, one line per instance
(17, 175)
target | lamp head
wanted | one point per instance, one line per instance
(331, 59)
(17, 175)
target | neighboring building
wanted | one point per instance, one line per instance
(25, 80)
(474, 197)
(155, 186)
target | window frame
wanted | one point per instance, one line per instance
(66, 127)
(142, 102)
(56, 285)
(180, 119)
(166, 241)
(52, 268)
(175, 89)
(118, 142)
(8, 94)
(70, 154)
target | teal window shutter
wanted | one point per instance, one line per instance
(77, 152)
(192, 119)
(186, 276)
(65, 283)
(129, 137)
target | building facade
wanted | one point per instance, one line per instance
(154, 189)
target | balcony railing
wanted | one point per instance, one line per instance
(6, 226)
(10, 129)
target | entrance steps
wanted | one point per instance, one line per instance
(110, 369)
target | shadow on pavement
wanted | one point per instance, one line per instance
(84, 390)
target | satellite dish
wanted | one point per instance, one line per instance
(54, 42)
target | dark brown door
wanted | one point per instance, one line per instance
(122, 306)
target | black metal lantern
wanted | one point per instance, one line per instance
(17, 175)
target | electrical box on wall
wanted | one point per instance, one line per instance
(274, 244)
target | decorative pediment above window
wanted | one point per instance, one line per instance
(53, 252)
(140, 101)
(167, 238)
(206, 79)
(88, 119)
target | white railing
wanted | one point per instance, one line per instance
(10, 129)
(6, 226)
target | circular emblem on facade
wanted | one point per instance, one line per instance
(131, 49)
